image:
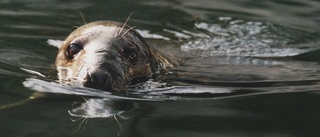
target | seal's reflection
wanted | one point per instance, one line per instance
(99, 108)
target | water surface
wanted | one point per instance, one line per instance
(251, 68)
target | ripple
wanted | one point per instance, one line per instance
(151, 91)
(22, 13)
(147, 34)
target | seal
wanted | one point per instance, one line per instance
(107, 55)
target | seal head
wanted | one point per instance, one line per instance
(107, 55)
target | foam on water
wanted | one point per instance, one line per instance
(242, 38)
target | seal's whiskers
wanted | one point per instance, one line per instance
(82, 125)
(125, 23)
(84, 20)
(127, 31)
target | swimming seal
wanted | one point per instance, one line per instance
(107, 55)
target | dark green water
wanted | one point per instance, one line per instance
(251, 70)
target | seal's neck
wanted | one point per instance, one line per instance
(161, 60)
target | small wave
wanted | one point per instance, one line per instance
(56, 88)
(148, 91)
(147, 34)
(155, 91)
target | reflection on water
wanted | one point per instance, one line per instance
(251, 69)
(101, 108)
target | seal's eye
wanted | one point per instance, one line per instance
(131, 54)
(73, 50)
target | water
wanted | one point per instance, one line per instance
(251, 69)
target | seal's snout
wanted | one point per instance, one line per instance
(97, 80)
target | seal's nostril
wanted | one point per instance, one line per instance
(97, 80)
